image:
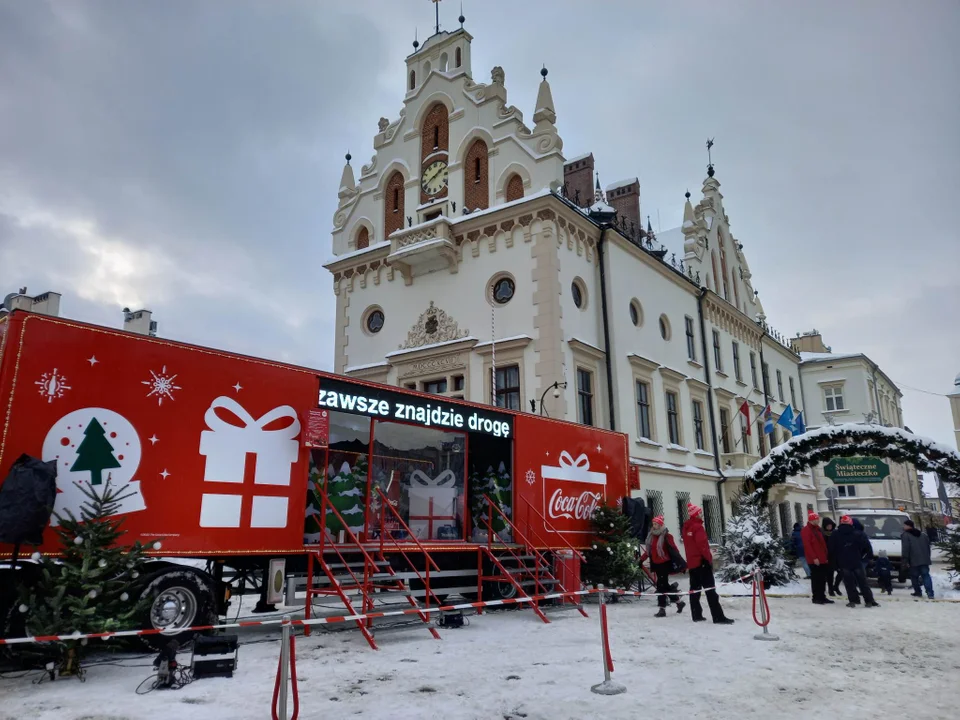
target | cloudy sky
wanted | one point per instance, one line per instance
(184, 155)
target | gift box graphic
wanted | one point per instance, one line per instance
(433, 503)
(226, 445)
(570, 470)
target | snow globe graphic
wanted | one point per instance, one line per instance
(91, 447)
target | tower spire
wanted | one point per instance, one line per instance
(709, 157)
(436, 7)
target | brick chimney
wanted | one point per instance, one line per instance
(624, 197)
(810, 341)
(578, 177)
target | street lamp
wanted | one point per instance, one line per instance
(556, 393)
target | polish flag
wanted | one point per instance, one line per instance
(745, 410)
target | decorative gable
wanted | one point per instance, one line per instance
(433, 326)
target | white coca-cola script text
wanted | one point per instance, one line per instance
(574, 507)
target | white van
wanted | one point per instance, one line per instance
(884, 528)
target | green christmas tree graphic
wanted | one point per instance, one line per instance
(95, 453)
(346, 491)
(497, 485)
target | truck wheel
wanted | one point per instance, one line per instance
(499, 591)
(178, 599)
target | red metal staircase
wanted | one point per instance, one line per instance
(352, 569)
(520, 563)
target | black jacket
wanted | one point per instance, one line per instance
(849, 547)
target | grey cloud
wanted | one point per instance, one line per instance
(209, 138)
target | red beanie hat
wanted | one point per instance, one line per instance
(845, 520)
(813, 516)
(658, 520)
(693, 510)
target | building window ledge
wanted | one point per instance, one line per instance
(694, 363)
(677, 448)
(721, 373)
(648, 441)
(741, 383)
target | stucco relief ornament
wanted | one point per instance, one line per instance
(433, 326)
(497, 76)
(383, 124)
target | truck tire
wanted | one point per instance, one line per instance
(179, 598)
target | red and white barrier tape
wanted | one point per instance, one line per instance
(329, 620)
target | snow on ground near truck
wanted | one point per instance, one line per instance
(830, 661)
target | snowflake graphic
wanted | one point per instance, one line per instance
(531, 477)
(52, 385)
(161, 385)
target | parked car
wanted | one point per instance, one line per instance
(884, 528)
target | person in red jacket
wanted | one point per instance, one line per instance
(700, 566)
(664, 559)
(815, 550)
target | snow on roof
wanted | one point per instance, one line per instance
(622, 183)
(671, 466)
(496, 208)
(503, 340)
(369, 366)
(577, 158)
(431, 346)
(672, 240)
(357, 253)
(816, 357)
(601, 207)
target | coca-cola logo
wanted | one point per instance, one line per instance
(573, 507)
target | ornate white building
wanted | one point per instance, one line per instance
(472, 259)
(851, 388)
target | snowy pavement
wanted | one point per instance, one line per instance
(903, 657)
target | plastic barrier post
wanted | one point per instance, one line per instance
(608, 686)
(758, 589)
(283, 677)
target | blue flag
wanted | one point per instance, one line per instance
(767, 421)
(798, 423)
(786, 420)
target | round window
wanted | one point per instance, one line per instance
(503, 290)
(375, 321)
(577, 294)
(634, 315)
(664, 327)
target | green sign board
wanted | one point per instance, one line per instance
(846, 471)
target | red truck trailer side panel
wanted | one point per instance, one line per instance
(206, 444)
(563, 471)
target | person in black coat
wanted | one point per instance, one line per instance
(849, 547)
(834, 574)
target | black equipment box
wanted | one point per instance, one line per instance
(214, 656)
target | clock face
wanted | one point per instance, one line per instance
(434, 178)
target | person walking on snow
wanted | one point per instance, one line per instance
(818, 558)
(915, 552)
(797, 539)
(700, 566)
(664, 559)
(834, 576)
(849, 547)
(884, 573)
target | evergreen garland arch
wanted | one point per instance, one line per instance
(849, 440)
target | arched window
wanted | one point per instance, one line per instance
(723, 266)
(458, 57)
(363, 238)
(393, 204)
(413, 79)
(476, 186)
(514, 188)
(443, 63)
(716, 275)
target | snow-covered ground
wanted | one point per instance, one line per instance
(901, 658)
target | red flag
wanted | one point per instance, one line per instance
(745, 409)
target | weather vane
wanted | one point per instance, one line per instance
(709, 146)
(436, 6)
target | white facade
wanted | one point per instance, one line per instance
(844, 388)
(415, 307)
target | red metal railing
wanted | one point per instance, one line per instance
(550, 528)
(386, 505)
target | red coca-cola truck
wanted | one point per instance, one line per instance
(254, 474)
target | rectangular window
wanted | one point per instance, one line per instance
(780, 385)
(698, 423)
(655, 502)
(508, 387)
(753, 370)
(691, 343)
(736, 362)
(833, 397)
(765, 369)
(711, 518)
(435, 387)
(786, 527)
(717, 359)
(761, 438)
(682, 499)
(584, 396)
(847, 491)
(793, 394)
(744, 426)
(725, 429)
(643, 410)
(458, 382)
(673, 418)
